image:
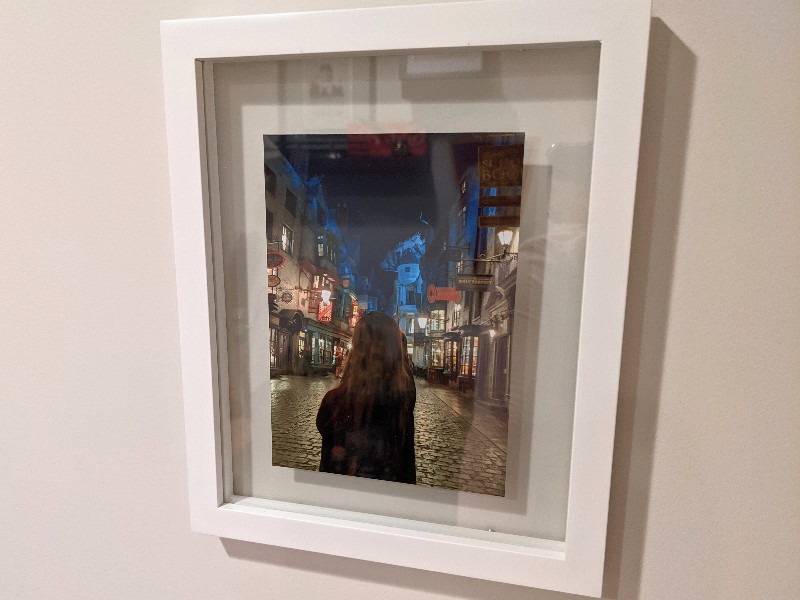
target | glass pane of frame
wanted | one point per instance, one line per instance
(352, 185)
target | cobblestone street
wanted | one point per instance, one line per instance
(460, 444)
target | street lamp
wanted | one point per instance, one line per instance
(505, 235)
(422, 319)
(326, 295)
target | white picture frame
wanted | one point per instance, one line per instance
(621, 27)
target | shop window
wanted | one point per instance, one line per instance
(315, 347)
(469, 356)
(437, 353)
(273, 347)
(451, 356)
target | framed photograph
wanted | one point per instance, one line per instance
(402, 268)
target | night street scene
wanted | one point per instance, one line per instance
(422, 228)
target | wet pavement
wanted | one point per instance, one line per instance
(460, 444)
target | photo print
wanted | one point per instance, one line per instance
(392, 264)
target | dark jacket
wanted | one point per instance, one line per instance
(377, 449)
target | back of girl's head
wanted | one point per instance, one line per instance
(375, 369)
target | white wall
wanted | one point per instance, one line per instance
(706, 488)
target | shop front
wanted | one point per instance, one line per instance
(435, 356)
(327, 344)
(277, 346)
(470, 349)
(290, 341)
(450, 361)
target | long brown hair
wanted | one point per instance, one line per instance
(375, 373)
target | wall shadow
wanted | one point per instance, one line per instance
(389, 576)
(666, 120)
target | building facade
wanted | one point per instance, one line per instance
(464, 339)
(312, 272)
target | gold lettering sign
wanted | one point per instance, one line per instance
(500, 166)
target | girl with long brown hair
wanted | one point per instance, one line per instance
(367, 423)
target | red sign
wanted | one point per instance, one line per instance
(448, 294)
(431, 293)
(364, 142)
(325, 313)
(445, 294)
(275, 260)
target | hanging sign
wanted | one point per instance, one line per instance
(273, 281)
(487, 201)
(325, 313)
(275, 260)
(475, 282)
(499, 221)
(500, 166)
(448, 294)
(436, 294)
(431, 293)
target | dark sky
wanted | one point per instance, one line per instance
(386, 180)
(385, 192)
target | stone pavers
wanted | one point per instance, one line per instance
(460, 444)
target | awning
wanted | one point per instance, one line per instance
(327, 329)
(468, 330)
(308, 266)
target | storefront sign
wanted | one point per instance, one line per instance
(476, 282)
(500, 166)
(436, 294)
(501, 221)
(275, 260)
(487, 201)
(325, 313)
